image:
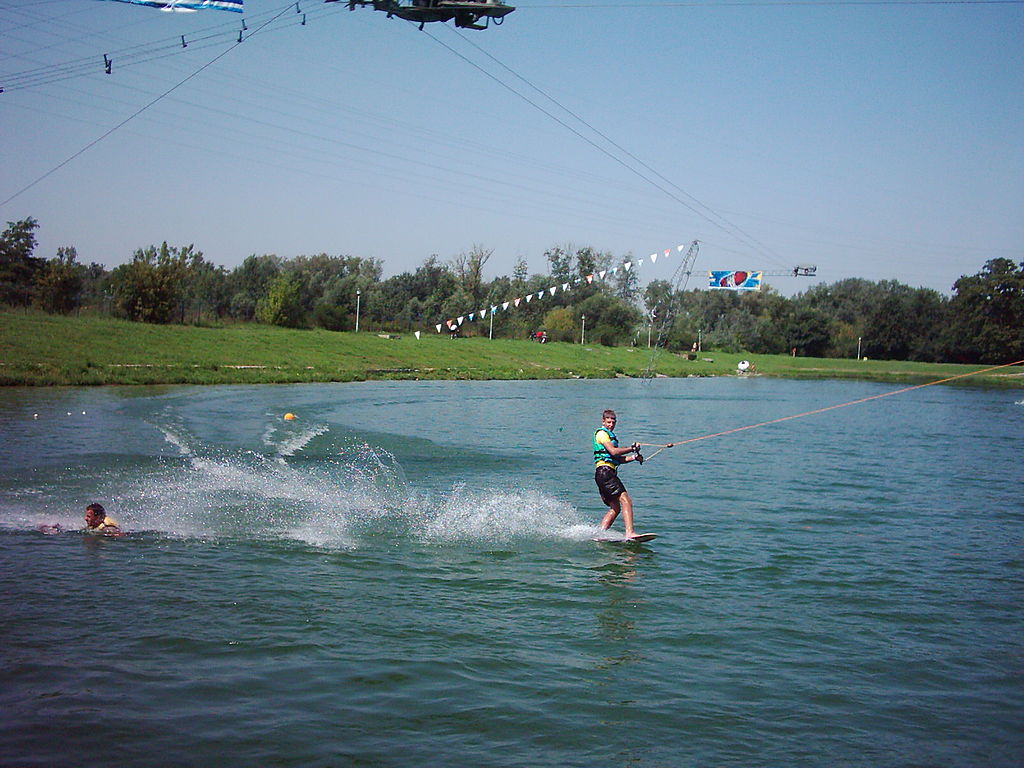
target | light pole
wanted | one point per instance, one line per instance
(490, 329)
(583, 333)
(358, 296)
(858, 347)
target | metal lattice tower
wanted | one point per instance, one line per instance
(679, 280)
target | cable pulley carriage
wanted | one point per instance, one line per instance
(469, 14)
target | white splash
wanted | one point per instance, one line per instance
(287, 440)
(175, 439)
(336, 496)
(499, 516)
(211, 492)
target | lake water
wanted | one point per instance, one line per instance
(404, 576)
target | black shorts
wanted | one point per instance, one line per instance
(608, 484)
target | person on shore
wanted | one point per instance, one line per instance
(96, 521)
(608, 456)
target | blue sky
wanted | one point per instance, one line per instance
(880, 141)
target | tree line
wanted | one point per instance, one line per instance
(981, 322)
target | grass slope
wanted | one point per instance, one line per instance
(39, 349)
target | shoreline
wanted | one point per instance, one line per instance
(171, 374)
(95, 351)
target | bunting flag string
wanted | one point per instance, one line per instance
(454, 323)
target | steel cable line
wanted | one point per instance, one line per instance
(320, 102)
(93, 66)
(580, 135)
(761, 3)
(73, 66)
(484, 186)
(705, 212)
(61, 21)
(445, 138)
(29, 4)
(484, 146)
(294, 21)
(176, 48)
(231, 29)
(135, 114)
(712, 216)
(91, 60)
(147, 52)
(533, 186)
(144, 52)
(26, 9)
(661, 447)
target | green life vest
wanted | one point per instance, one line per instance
(601, 455)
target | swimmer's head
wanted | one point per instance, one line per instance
(94, 515)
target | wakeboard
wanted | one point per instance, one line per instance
(639, 538)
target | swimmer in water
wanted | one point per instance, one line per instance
(96, 521)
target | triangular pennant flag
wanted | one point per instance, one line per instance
(505, 305)
(640, 262)
(471, 316)
(438, 327)
(614, 270)
(482, 313)
(565, 287)
(602, 273)
(552, 289)
(540, 294)
(627, 265)
(516, 302)
(494, 310)
(590, 279)
(679, 248)
(654, 258)
(461, 318)
(529, 298)
(417, 334)
(667, 252)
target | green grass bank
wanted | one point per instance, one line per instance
(46, 350)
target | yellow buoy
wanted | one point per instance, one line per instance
(289, 417)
